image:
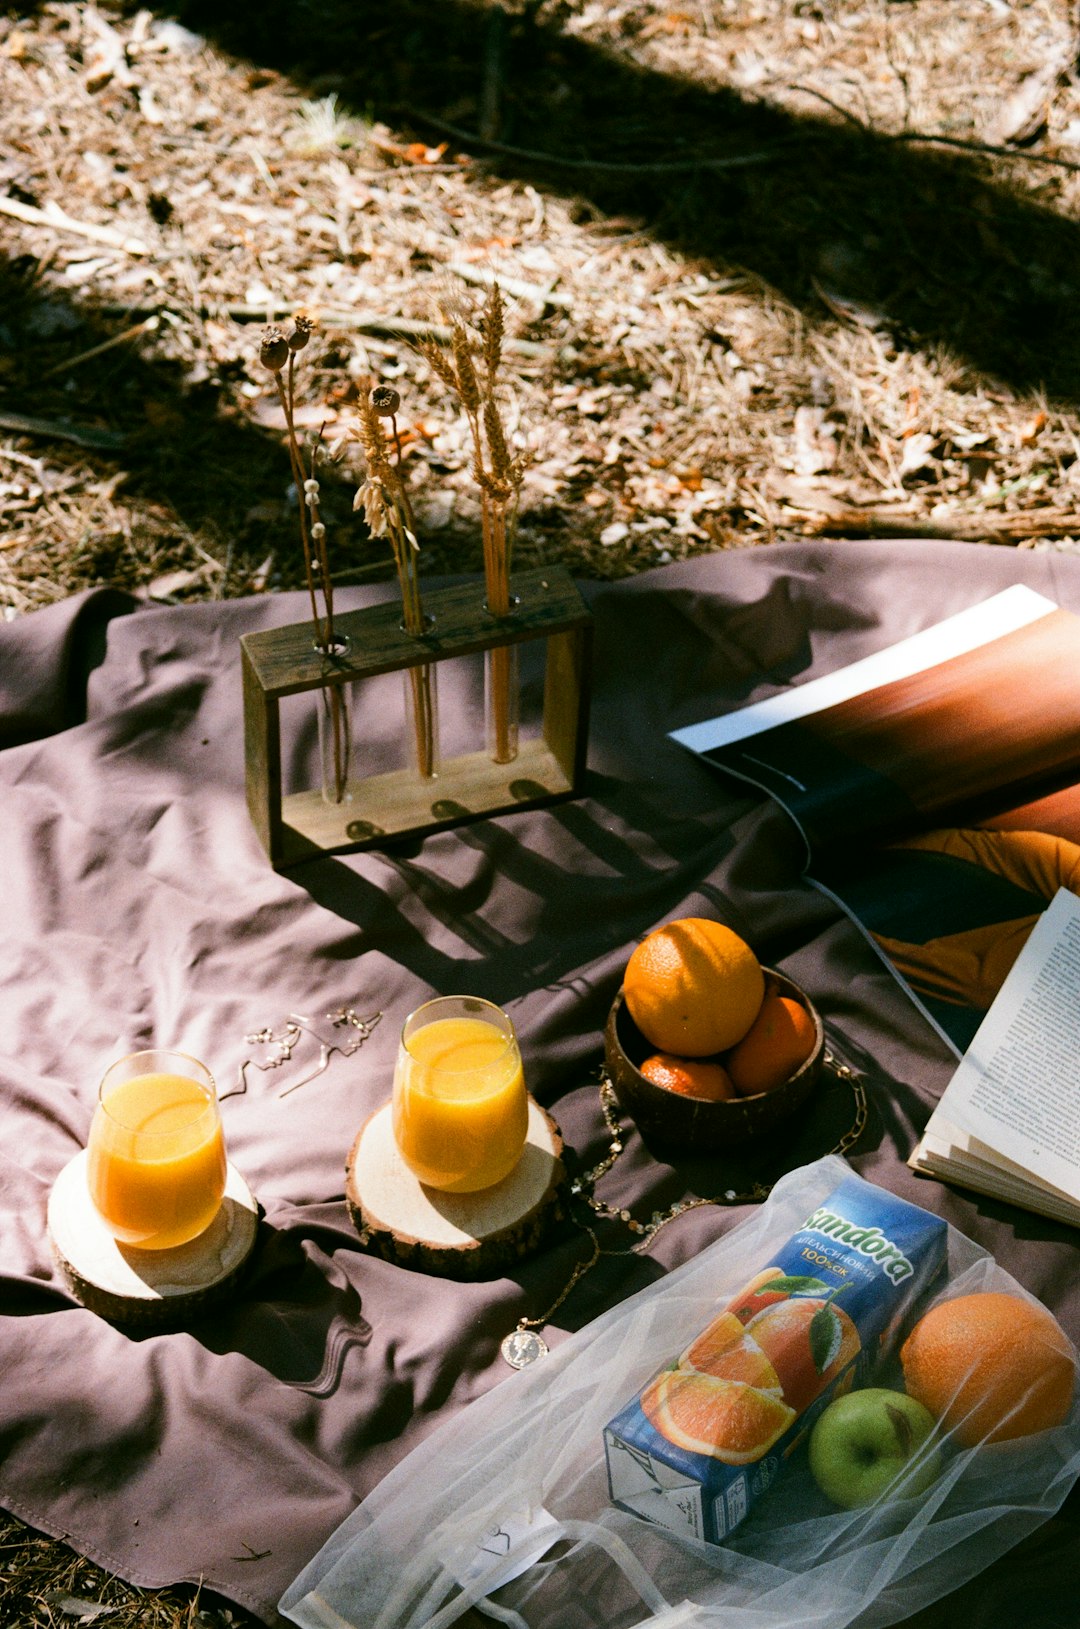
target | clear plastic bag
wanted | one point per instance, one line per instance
(508, 1506)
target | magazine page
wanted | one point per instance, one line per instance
(937, 788)
(1010, 1116)
(950, 909)
(888, 743)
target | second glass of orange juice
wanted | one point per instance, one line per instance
(156, 1155)
(460, 1110)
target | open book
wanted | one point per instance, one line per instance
(937, 788)
(1008, 1123)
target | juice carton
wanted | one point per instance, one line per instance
(709, 1434)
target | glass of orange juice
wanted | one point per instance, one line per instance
(460, 1111)
(156, 1154)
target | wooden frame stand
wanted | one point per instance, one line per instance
(283, 661)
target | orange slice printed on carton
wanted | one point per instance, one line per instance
(808, 1340)
(724, 1419)
(726, 1351)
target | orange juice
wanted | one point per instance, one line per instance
(460, 1111)
(156, 1160)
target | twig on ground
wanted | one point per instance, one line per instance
(686, 166)
(512, 285)
(985, 147)
(985, 528)
(147, 326)
(53, 216)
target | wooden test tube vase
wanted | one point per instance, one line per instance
(281, 662)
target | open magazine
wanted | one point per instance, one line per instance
(937, 788)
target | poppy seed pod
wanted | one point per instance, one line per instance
(385, 400)
(301, 333)
(274, 350)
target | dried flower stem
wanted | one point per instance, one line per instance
(498, 475)
(388, 512)
(285, 397)
(278, 353)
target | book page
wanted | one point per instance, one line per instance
(1017, 1089)
(949, 1147)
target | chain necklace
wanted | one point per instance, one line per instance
(281, 1043)
(524, 1345)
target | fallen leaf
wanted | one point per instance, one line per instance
(148, 106)
(307, 416)
(614, 533)
(1030, 432)
(261, 575)
(173, 582)
(917, 453)
(1026, 111)
(416, 152)
(815, 441)
(74, 1606)
(848, 309)
(804, 494)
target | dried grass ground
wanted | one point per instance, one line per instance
(777, 268)
(748, 303)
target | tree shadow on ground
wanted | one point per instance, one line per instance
(919, 238)
(938, 254)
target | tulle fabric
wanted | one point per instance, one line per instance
(532, 1450)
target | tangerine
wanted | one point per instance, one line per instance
(725, 1419)
(780, 1039)
(693, 987)
(689, 1077)
(808, 1341)
(990, 1366)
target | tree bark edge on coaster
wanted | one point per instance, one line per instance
(461, 1236)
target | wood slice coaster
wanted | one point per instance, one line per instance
(454, 1235)
(148, 1288)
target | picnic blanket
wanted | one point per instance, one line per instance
(139, 909)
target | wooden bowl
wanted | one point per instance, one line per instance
(689, 1124)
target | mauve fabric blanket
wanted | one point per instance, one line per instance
(139, 909)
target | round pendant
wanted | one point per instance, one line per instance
(522, 1347)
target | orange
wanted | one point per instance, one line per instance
(693, 987)
(781, 1038)
(725, 1419)
(725, 1350)
(989, 1367)
(808, 1341)
(689, 1077)
(756, 1296)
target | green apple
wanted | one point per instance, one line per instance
(863, 1442)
